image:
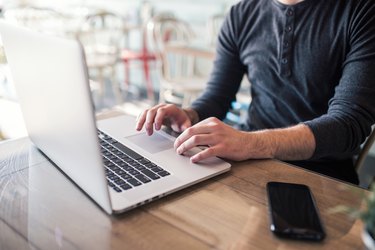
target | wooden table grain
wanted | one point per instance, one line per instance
(40, 208)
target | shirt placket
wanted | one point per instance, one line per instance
(287, 43)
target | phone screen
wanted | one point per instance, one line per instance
(293, 212)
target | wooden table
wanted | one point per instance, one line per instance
(41, 209)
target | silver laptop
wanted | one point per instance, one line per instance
(118, 167)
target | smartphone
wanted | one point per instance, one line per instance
(293, 212)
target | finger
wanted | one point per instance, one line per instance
(194, 141)
(163, 112)
(199, 128)
(150, 121)
(178, 127)
(150, 118)
(140, 120)
(204, 154)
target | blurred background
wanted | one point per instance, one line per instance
(138, 52)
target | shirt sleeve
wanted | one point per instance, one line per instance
(227, 72)
(351, 111)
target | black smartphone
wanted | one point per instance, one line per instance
(293, 212)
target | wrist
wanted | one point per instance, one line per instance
(263, 144)
(292, 143)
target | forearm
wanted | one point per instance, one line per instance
(292, 143)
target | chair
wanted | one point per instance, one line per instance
(179, 81)
(101, 35)
(145, 55)
(366, 176)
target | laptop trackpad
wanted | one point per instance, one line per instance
(153, 144)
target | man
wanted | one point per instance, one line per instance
(312, 68)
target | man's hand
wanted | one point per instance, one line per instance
(221, 139)
(292, 143)
(164, 114)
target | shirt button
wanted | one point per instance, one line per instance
(289, 12)
(284, 61)
(286, 44)
(288, 28)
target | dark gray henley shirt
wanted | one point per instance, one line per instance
(311, 63)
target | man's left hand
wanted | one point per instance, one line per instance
(222, 141)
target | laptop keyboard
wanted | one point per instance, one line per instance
(124, 168)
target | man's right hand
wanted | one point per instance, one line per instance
(164, 114)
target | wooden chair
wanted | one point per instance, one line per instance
(145, 55)
(366, 175)
(179, 82)
(101, 35)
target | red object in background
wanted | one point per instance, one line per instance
(144, 55)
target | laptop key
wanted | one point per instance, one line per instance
(133, 172)
(117, 189)
(127, 151)
(150, 165)
(163, 173)
(143, 161)
(140, 167)
(129, 161)
(111, 166)
(156, 169)
(111, 140)
(119, 154)
(115, 169)
(134, 182)
(127, 168)
(126, 176)
(113, 177)
(106, 153)
(120, 172)
(112, 157)
(110, 174)
(119, 182)
(126, 186)
(142, 178)
(150, 174)
(117, 160)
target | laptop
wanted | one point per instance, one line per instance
(117, 166)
